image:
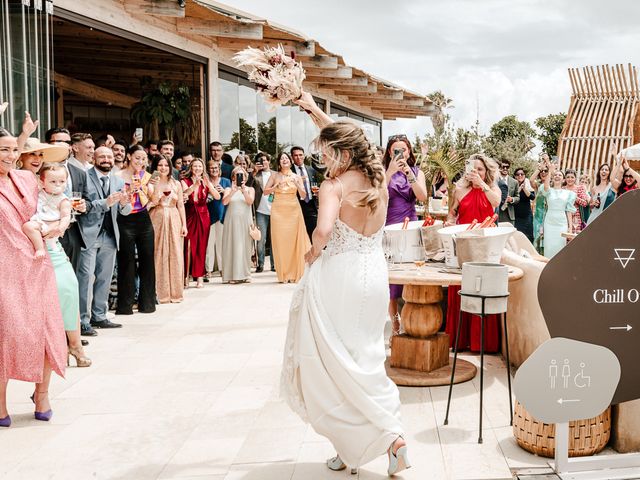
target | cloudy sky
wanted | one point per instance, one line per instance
(493, 57)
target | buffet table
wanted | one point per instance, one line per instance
(420, 356)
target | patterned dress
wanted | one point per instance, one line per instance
(30, 318)
(169, 261)
(582, 200)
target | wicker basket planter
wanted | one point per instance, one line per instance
(586, 437)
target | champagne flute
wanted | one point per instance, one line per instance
(402, 247)
(388, 253)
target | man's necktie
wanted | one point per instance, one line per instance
(105, 186)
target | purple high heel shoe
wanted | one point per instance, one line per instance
(42, 416)
(5, 422)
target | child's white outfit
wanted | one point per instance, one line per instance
(48, 210)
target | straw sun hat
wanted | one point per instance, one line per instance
(51, 153)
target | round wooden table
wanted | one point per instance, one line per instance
(420, 356)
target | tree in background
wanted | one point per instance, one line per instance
(509, 139)
(550, 129)
(245, 139)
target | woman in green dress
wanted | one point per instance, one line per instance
(537, 179)
(66, 280)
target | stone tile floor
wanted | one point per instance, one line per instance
(191, 392)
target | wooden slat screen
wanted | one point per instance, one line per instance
(603, 109)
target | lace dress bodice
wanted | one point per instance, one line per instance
(346, 239)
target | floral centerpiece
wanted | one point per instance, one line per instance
(277, 75)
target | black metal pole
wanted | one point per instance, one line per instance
(481, 367)
(453, 369)
(506, 342)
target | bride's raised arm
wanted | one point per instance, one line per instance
(309, 105)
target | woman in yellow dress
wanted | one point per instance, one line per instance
(289, 239)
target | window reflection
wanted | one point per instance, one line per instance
(228, 110)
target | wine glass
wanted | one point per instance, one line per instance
(76, 199)
(314, 187)
(165, 200)
(388, 252)
(402, 247)
(419, 263)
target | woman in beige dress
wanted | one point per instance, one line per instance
(236, 241)
(170, 228)
(289, 239)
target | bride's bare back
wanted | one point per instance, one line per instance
(360, 219)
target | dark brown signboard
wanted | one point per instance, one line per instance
(590, 291)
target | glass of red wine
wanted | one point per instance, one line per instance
(165, 199)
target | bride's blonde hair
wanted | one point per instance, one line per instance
(343, 136)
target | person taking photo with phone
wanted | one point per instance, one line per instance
(406, 185)
(236, 241)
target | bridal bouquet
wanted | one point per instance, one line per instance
(278, 76)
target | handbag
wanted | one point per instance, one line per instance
(254, 232)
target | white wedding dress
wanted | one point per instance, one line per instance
(333, 374)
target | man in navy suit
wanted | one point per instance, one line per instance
(99, 230)
(307, 204)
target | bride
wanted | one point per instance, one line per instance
(333, 373)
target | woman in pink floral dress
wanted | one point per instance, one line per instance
(32, 337)
(582, 199)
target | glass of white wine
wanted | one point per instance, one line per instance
(420, 263)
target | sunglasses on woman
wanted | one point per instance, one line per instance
(401, 136)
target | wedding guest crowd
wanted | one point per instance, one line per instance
(156, 219)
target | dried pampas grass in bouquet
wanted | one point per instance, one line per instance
(277, 75)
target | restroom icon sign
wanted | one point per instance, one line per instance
(624, 255)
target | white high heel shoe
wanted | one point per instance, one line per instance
(336, 464)
(398, 461)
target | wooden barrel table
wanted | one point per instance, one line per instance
(420, 356)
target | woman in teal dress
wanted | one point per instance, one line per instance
(68, 294)
(540, 207)
(560, 209)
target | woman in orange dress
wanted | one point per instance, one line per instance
(32, 338)
(476, 197)
(169, 229)
(289, 239)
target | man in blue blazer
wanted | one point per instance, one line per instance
(101, 237)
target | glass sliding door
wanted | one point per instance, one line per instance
(25, 62)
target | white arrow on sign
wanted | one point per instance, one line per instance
(567, 400)
(627, 328)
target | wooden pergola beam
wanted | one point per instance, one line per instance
(350, 89)
(318, 61)
(340, 72)
(391, 95)
(300, 48)
(164, 8)
(335, 82)
(217, 28)
(94, 92)
(387, 102)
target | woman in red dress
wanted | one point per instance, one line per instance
(197, 187)
(476, 197)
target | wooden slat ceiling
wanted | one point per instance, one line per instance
(115, 63)
(233, 30)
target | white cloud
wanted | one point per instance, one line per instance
(497, 57)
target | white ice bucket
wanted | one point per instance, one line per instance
(480, 245)
(406, 245)
(480, 278)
